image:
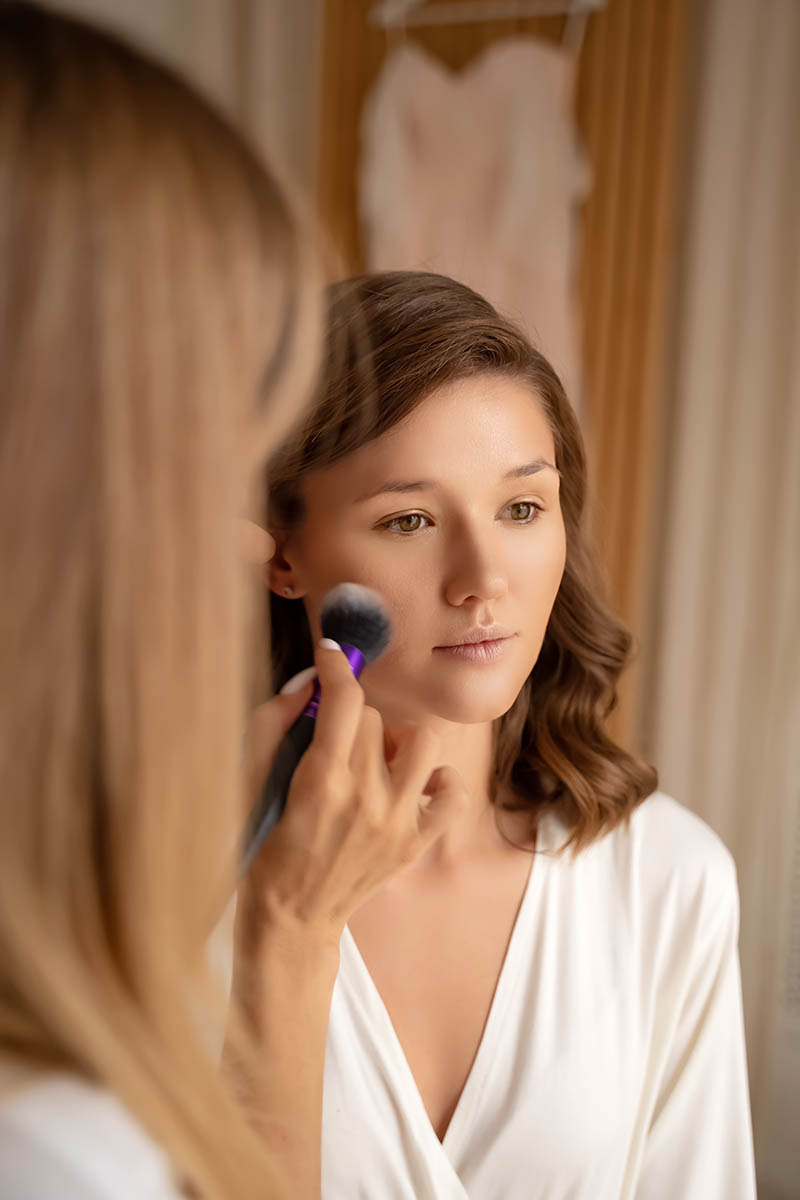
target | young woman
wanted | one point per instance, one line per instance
(547, 1003)
(159, 328)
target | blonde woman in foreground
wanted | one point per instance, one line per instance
(158, 336)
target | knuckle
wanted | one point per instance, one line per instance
(462, 792)
(359, 798)
(462, 800)
(371, 719)
(325, 775)
(368, 808)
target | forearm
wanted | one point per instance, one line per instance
(284, 975)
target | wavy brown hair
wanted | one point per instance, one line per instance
(394, 337)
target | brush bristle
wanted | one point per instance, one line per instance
(357, 616)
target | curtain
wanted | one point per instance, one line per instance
(725, 700)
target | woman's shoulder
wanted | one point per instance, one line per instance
(660, 835)
(664, 861)
(674, 858)
(666, 831)
(61, 1135)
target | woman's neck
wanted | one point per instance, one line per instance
(470, 750)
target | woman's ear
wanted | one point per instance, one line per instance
(279, 572)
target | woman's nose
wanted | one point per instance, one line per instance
(475, 574)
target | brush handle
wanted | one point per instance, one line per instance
(272, 802)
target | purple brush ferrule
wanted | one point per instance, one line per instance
(356, 660)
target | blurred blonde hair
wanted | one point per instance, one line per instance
(158, 329)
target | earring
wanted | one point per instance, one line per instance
(287, 591)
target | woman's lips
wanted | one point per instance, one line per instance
(477, 651)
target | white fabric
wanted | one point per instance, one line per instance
(477, 175)
(612, 1064)
(63, 1139)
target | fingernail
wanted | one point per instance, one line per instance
(298, 682)
(329, 644)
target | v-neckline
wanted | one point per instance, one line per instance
(458, 77)
(484, 1057)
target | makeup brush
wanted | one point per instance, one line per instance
(355, 617)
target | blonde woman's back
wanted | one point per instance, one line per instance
(157, 332)
(63, 1137)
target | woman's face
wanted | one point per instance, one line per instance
(453, 516)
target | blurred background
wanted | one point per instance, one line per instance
(624, 179)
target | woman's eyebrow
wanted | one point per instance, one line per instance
(427, 485)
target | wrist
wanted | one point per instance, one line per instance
(271, 929)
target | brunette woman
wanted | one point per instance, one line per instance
(547, 1003)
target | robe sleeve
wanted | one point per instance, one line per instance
(699, 1144)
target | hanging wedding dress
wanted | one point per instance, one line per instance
(477, 175)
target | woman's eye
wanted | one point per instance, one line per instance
(408, 523)
(524, 512)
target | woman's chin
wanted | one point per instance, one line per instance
(464, 715)
(468, 708)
